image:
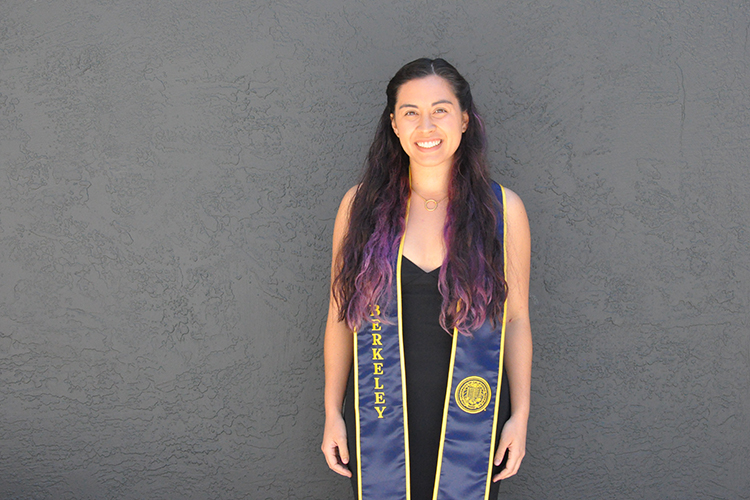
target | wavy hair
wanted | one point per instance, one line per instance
(471, 279)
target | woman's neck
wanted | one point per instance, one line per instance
(430, 182)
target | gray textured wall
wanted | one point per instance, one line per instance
(169, 176)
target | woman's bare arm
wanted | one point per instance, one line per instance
(338, 357)
(518, 348)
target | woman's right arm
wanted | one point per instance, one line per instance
(338, 356)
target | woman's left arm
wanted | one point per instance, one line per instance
(518, 349)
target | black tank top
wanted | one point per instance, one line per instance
(427, 352)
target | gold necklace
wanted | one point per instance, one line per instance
(429, 203)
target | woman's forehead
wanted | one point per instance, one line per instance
(428, 90)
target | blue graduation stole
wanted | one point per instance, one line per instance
(467, 446)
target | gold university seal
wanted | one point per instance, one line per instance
(473, 394)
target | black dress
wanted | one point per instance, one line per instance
(427, 352)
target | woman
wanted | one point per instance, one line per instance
(430, 276)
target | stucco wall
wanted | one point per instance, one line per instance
(169, 176)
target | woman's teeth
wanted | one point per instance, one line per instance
(430, 144)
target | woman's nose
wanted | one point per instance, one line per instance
(426, 122)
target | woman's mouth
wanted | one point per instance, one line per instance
(429, 144)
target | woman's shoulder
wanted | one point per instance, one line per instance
(512, 203)
(350, 194)
(509, 197)
(512, 199)
(345, 207)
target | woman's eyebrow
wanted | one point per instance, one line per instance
(442, 101)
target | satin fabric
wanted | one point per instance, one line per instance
(468, 435)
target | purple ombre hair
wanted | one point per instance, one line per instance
(471, 279)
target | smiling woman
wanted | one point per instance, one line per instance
(428, 343)
(429, 122)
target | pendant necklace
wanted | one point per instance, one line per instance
(429, 203)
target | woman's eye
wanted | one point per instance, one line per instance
(410, 113)
(441, 110)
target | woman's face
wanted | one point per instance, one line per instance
(428, 121)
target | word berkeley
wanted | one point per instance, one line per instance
(377, 360)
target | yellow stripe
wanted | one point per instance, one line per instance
(502, 354)
(448, 392)
(401, 352)
(356, 416)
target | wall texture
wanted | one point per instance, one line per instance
(169, 173)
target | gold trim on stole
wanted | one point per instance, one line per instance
(407, 457)
(448, 392)
(356, 416)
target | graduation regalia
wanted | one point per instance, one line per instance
(468, 437)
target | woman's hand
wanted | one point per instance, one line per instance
(512, 439)
(334, 445)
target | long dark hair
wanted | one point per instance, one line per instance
(471, 280)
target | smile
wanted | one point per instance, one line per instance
(430, 144)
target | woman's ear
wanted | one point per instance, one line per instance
(393, 125)
(465, 121)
